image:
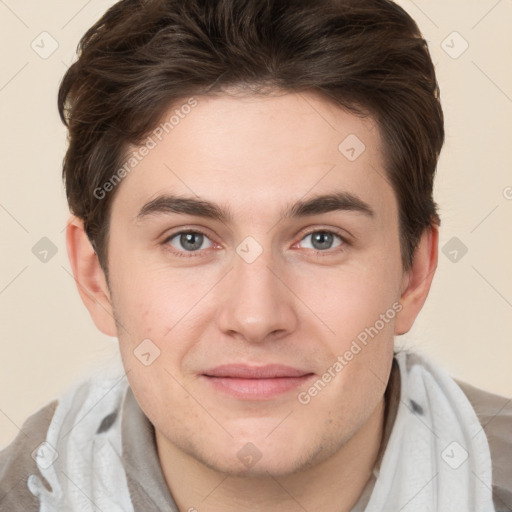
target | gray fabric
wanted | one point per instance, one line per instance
(16, 462)
(495, 415)
(392, 398)
(146, 482)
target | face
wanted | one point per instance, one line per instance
(266, 326)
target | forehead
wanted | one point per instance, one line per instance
(257, 151)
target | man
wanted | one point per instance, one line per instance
(252, 217)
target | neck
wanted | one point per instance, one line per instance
(333, 485)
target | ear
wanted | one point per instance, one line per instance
(416, 282)
(89, 277)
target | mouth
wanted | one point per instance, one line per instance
(255, 382)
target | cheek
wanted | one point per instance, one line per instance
(148, 316)
(152, 299)
(349, 299)
(359, 305)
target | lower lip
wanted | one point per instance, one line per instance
(256, 389)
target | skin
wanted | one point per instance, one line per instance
(298, 303)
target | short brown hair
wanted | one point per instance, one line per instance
(142, 57)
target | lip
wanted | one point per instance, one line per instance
(244, 371)
(255, 382)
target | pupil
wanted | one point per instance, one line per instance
(321, 240)
(324, 237)
(188, 238)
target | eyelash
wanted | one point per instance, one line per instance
(194, 254)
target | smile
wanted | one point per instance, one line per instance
(255, 383)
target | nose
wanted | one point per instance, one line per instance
(258, 303)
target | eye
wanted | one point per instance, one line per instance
(191, 243)
(187, 242)
(322, 240)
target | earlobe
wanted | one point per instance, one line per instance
(89, 277)
(417, 281)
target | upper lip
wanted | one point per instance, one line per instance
(243, 371)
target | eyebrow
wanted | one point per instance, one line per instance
(184, 205)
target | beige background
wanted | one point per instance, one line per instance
(48, 340)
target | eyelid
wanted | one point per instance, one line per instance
(183, 230)
(336, 251)
(335, 231)
(329, 252)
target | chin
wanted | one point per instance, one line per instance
(261, 469)
(259, 459)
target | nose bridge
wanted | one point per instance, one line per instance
(257, 303)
